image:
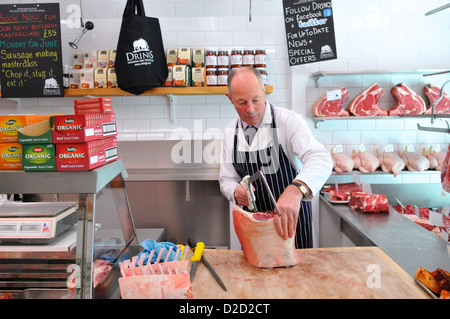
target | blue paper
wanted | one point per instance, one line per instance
(150, 245)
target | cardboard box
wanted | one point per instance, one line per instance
(38, 157)
(198, 77)
(171, 57)
(180, 75)
(10, 156)
(80, 128)
(86, 156)
(198, 57)
(36, 133)
(93, 108)
(93, 100)
(10, 124)
(184, 56)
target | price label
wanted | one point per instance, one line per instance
(334, 95)
(337, 148)
(389, 148)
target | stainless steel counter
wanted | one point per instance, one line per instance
(172, 174)
(408, 244)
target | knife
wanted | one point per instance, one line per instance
(191, 244)
(199, 247)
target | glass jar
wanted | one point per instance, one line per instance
(260, 58)
(223, 59)
(248, 59)
(211, 77)
(236, 58)
(264, 75)
(210, 58)
(222, 76)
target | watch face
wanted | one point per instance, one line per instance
(303, 190)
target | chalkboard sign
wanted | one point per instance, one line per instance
(30, 50)
(309, 31)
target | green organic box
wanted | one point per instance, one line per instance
(38, 157)
(36, 133)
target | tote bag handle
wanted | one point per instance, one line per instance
(134, 7)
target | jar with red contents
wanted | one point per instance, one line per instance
(223, 59)
(260, 58)
(236, 58)
(248, 58)
(222, 76)
(211, 77)
(210, 58)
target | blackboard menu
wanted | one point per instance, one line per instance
(309, 31)
(30, 50)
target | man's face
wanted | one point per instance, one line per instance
(248, 97)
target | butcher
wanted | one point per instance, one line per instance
(279, 143)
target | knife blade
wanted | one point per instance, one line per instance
(192, 243)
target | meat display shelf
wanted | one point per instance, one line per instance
(102, 205)
(423, 72)
(318, 119)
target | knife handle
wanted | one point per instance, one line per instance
(198, 252)
(191, 243)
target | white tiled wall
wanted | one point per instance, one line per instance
(370, 35)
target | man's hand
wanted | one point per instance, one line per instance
(241, 196)
(289, 205)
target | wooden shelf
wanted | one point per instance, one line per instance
(217, 90)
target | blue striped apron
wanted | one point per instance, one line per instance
(248, 163)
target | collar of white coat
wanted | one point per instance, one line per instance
(263, 137)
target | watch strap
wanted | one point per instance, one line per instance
(300, 186)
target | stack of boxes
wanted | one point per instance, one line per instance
(10, 148)
(93, 69)
(186, 67)
(80, 141)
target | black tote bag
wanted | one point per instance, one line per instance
(140, 56)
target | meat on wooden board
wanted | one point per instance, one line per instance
(261, 244)
(366, 102)
(324, 107)
(432, 94)
(407, 101)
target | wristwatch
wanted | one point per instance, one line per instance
(302, 188)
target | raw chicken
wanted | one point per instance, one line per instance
(436, 158)
(365, 161)
(390, 162)
(261, 244)
(415, 162)
(342, 162)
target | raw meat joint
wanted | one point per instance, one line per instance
(432, 94)
(159, 280)
(407, 101)
(323, 107)
(260, 242)
(445, 172)
(342, 162)
(368, 203)
(390, 162)
(366, 102)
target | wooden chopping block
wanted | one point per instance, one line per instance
(344, 272)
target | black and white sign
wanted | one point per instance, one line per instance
(309, 31)
(30, 50)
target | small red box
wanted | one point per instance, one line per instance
(83, 127)
(93, 108)
(85, 156)
(93, 100)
